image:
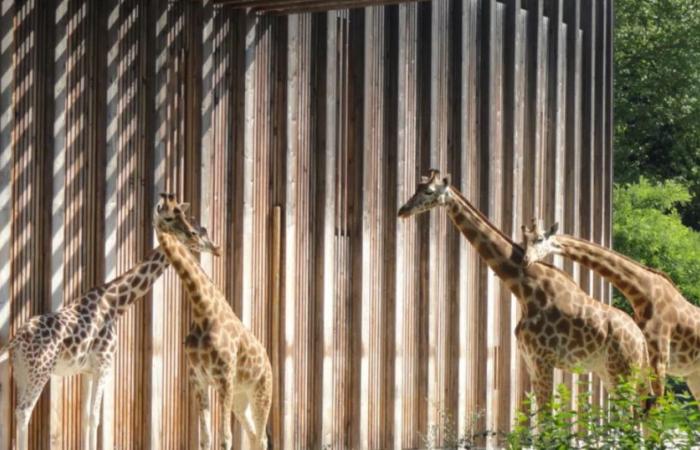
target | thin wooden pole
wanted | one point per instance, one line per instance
(275, 291)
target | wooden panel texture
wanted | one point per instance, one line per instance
(296, 138)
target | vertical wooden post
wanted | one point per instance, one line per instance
(275, 297)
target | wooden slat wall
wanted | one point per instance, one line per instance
(296, 138)
(6, 210)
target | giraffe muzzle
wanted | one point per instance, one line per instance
(404, 212)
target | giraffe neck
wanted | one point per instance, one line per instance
(202, 291)
(501, 254)
(630, 277)
(136, 282)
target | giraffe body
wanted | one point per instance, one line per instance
(561, 326)
(220, 350)
(671, 324)
(80, 338)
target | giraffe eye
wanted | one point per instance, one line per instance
(169, 219)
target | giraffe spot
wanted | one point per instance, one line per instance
(508, 269)
(541, 297)
(580, 353)
(191, 341)
(552, 314)
(605, 271)
(563, 327)
(144, 284)
(468, 232)
(671, 316)
(485, 250)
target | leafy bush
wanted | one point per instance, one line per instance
(673, 423)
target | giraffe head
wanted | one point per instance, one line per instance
(432, 191)
(169, 217)
(539, 243)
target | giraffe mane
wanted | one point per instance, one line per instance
(552, 266)
(625, 257)
(483, 217)
(515, 245)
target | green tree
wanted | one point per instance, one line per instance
(647, 227)
(657, 94)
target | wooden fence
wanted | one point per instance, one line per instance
(296, 138)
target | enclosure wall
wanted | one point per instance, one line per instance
(296, 138)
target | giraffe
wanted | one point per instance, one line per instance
(670, 323)
(220, 350)
(561, 326)
(80, 338)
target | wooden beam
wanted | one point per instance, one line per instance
(303, 6)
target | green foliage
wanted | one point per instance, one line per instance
(657, 88)
(647, 227)
(657, 94)
(575, 423)
(672, 423)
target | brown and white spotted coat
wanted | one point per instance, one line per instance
(669, 322)
(221, 351)
(80, 337)
(561, 326)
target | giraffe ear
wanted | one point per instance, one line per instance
(446, 180)
(184, 207)
(553, 229)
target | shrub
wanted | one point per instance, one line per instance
(673, 423)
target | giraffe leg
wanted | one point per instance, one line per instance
(260, 408)
(202, 393)
(28, 392)
(240, 405)
(86, 398)
(659, 355)
(543, 382)
(98, 384)
(227, 435)
(693, 381)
